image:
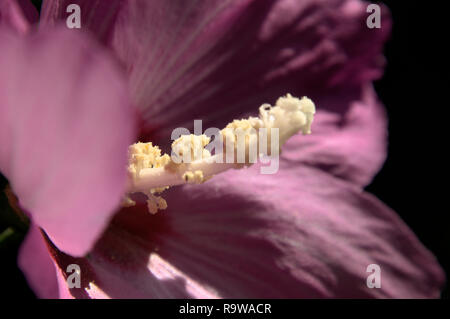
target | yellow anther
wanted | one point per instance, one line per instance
(198, 176)
(162, 204)
(190, 148)
(128, 202)
(241, 134)
(158, 190)
(290, 115)
(145, 155)
(194, 177)
(155, 203)
(152, 206)
(188, 176)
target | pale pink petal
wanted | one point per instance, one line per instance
(35, 262)
(17, 15)
(351, 147)
(300, 233)
(65, 124)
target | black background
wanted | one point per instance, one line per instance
(409, 180)
(412, 179)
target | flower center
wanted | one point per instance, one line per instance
(195, 158)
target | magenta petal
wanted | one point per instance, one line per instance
(17, 15)
(245, 235)
(29, 11)
(298, 233)
(36, 264)
(65, 124)
(186, 62)
(352, 147)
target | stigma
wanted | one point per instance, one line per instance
(197, 158)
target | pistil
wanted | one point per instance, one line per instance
(239, 144)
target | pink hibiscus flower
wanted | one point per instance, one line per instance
(69, 104)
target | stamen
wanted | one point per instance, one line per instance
(191, 147)
(150, 172)
(143, 156)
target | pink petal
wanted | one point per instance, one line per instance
(186, 62)
(38, 267)
(352, 147)
(245, 235)
(65, 124)
(17, 15)
(190, 68)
